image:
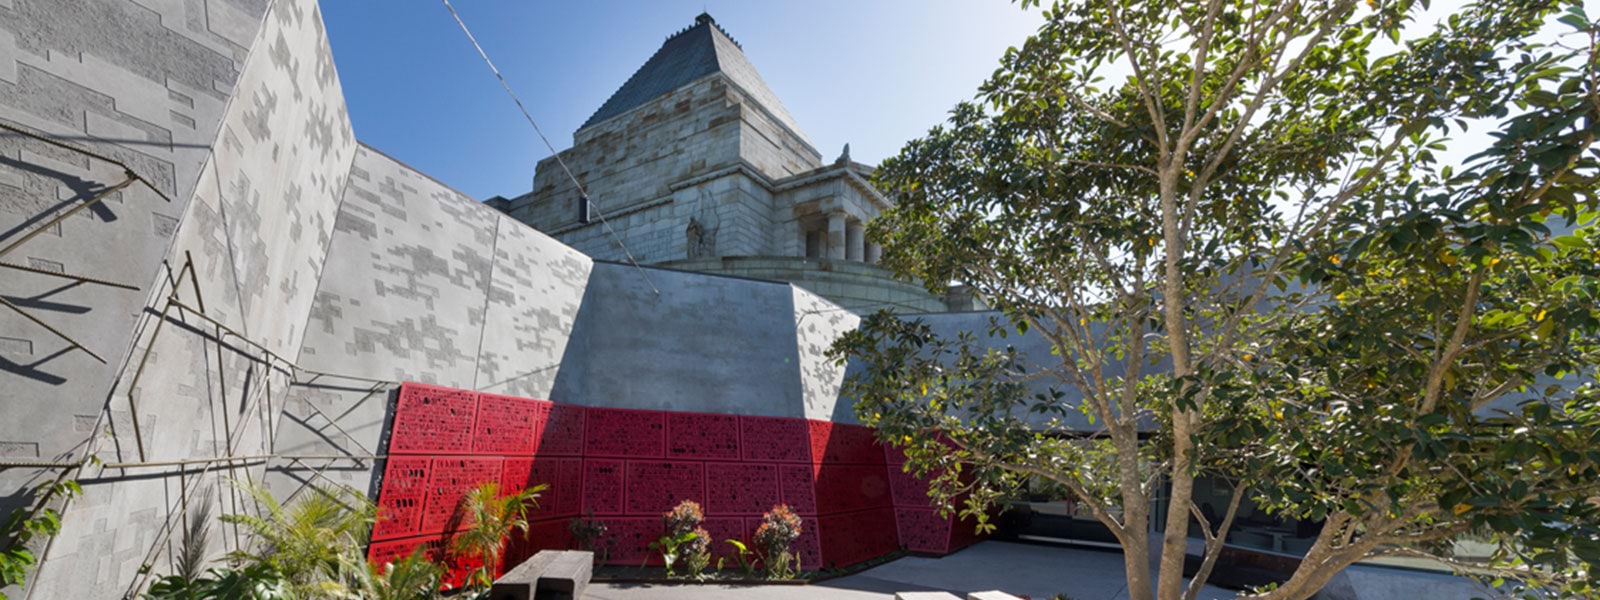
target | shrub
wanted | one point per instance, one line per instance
(685, 539)
(587, 532)
(779, 528)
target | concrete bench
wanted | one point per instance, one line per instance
(925, 596)
(549, 575)
(991, 595)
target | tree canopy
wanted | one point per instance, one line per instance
(1258, 255)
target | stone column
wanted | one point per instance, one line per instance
(799, 240)
(854, 248)
(874, 253)
(836, 235)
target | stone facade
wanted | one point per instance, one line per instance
(693, 160)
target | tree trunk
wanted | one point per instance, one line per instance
(1174, 539)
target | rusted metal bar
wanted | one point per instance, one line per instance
(68, 276)
(36, 464)
(188, 265)
(53, 330)
(63, 216)
(65, 146)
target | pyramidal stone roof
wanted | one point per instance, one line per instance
(695, 52)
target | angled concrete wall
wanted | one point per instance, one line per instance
(257, 230)
(143, 85)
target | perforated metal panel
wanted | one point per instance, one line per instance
(842, 488)
(844, 443)
(850, 538)
(654, 487)
(922, 530)
(741, 488)
(908, 489)
(433, 420)
(625, 433)
(702, 436)
(776, 439)
(797, 488)
(602, 486)
(449, 479)
(506, 425)
(561, 433)
(404, 492)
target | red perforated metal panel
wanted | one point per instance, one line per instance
(564, 476)
(449, 479)
(741, 488)
(702, 436)
(850, 538)
(602, 486)
(403, 493)
(798, 489)
(433, 420)
(843, 443)
(627, 433)
(776, 439)
(543, 535)
(909, 490)
(842, 488)
(561, 431)
(922, 530)
(654, 487)
(963, 533)
(629, 539)
(723, 529)
(505, 425)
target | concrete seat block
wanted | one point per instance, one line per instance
(925, 596)
(991, 595)
(549, 575)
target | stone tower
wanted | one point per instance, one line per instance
(695, 164)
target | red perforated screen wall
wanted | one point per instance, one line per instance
(628, 467)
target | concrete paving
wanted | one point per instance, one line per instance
(1037, 572)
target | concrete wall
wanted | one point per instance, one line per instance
(147, 86)
(705, 344)
(210, 382)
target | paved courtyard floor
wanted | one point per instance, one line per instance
(1039, 572)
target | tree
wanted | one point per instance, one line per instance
(1233, 225)
(310, 547)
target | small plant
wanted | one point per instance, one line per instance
(304, 547)
(779, 528)
(692, 544)
(746, 558)
(490, 517)
(29, 525)
(587, 532)
(671, 547)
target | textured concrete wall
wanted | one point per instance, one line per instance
(859, 287)
(143, 85)
(422, 284)
(705, 343)
(210, 382)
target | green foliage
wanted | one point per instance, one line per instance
(31, 525)
(313, 544)
(258, 581)
(671, 547)
(490, 517)
(746, 558)
(311, 548)
(1236, 226)
(694, 549)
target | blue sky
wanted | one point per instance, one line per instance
(871, 73)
